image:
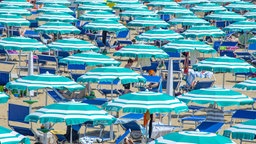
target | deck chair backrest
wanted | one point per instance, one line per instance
(212, 127)
(47, 58)
(153, 66)
(175, 84)
(122, 34)
(43, 70)
(154, 79)
(216, 45)
(5, 77)
(203, 84)
(252, 46)
(75, 76)
(244, 114)
(63, 54)
(176, 65)
(228, 53)
(76, 67)
(132, 125)
(17, 113)
(123, 136)
(174, 54)
(229, 43)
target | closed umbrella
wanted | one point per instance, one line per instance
(94, 15)
(207, 7)
(202, 31)
(56, 16)
(10, 137)
(58, 28)
(148, 22)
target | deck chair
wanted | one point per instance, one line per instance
(75, 76)
(56, 96)
(242, 115)
(96, 101)
(153, 66)
(76, 67)
(203, 84)
(252, 46)
(129, 117)
(153, 79)
(176, 84)
(33, 24)
(32, 34)
(228, 53)
(43, 70)
(107, 92)
(208, 126)
(120, 140)
(5, 76)
(17, 113)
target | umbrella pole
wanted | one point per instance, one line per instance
(170, 84)
(111, 90)
(223, 80)
(19, 63)
(111, 132)
(46, 98)
(71, 135)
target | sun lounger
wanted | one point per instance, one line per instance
(56, 96)
(208, 126)
(121, 139)
(96, 101)
(107, 92)
(243, 115)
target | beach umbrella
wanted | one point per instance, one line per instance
(207, 7)
(162, 4)
(159, 34)
(187, 46)
(58, 28)
(122, 1)
(224, 1)
(175, 10)
(138, 12)
(72, 113)
(243, 131)
(191, 137)
(249, 84)
(62, 2)
(141, 51)
(148, 22)
(225, 16)
(13, 20)
(56, 16)
(188, 20)
(250, 15)
(252, 40)
(127, 6)
(105, 25)
(241, 26)
(202, 31)
(55, 8)
(89, 1)
(110, 74)
(185, 2)
(3, 98)
(94, 7)
(219, 96)
(11, 137)
(241, 5)
(95, 15)
(72, 44)
(21, 3)
(15, 10)
(90, 59)
(224, 65)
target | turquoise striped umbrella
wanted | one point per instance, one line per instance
(105, 25)
(72, 113)
(159, 34)
(202, 31)
(173, 10)
(90, 59)
(13, 20)
(55, 8)
(139, 12)
(221, 97)
(110, 74)
(241, 26)
(247, 84)
(141, 102)
(223, 1)
(250, 15)
(241, 5)
(58, 28)
(94, 7)
(187, 46)
(56, 16)
(8, 136)
(21, 3)
(207, 7)
(42, 81)
(89, 1)
(193, 2)
(122, 1)
(252, 40)
(22, 43)
(72, 44)
(141, 51)
(243, 131)
(62, 2)
(162, 4)
(148, 22)
(15, 10)
(225, 16)
(94, 15)
(128, 6)
(188, 20)
(3, 98)
(192, 137)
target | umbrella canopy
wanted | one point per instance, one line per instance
(252, 40)
(110, 74)
(192, 137)
(188, 20)
(241, 5)
(224, 64)
(3, 98)
(138, 12)
(250, 15)
(127, 6)
(141, 51)
(159, 34)
(58, 28)
(10, 137)
(94, 15)
(20, 3)
(13, 20)
(89, 1)
(187, 46)
(55, 8)
(175, 10)
(221, 97)
(16, 10)
(105, 25)
(207, 7)
(141, 102)
(223, 1)
(241, 26)
(122, 1)
(245, 130)
(225, 16)
(193, 1)
(148, 22)
(90, 59)
(56, 16)
(22, 43)
(162, 3)
(62, 2)
(72, 44)
(94, 6)
(72, 113)
(202, 31)
(41, 81)
(247, 84)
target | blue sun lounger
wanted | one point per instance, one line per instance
(208, 126)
